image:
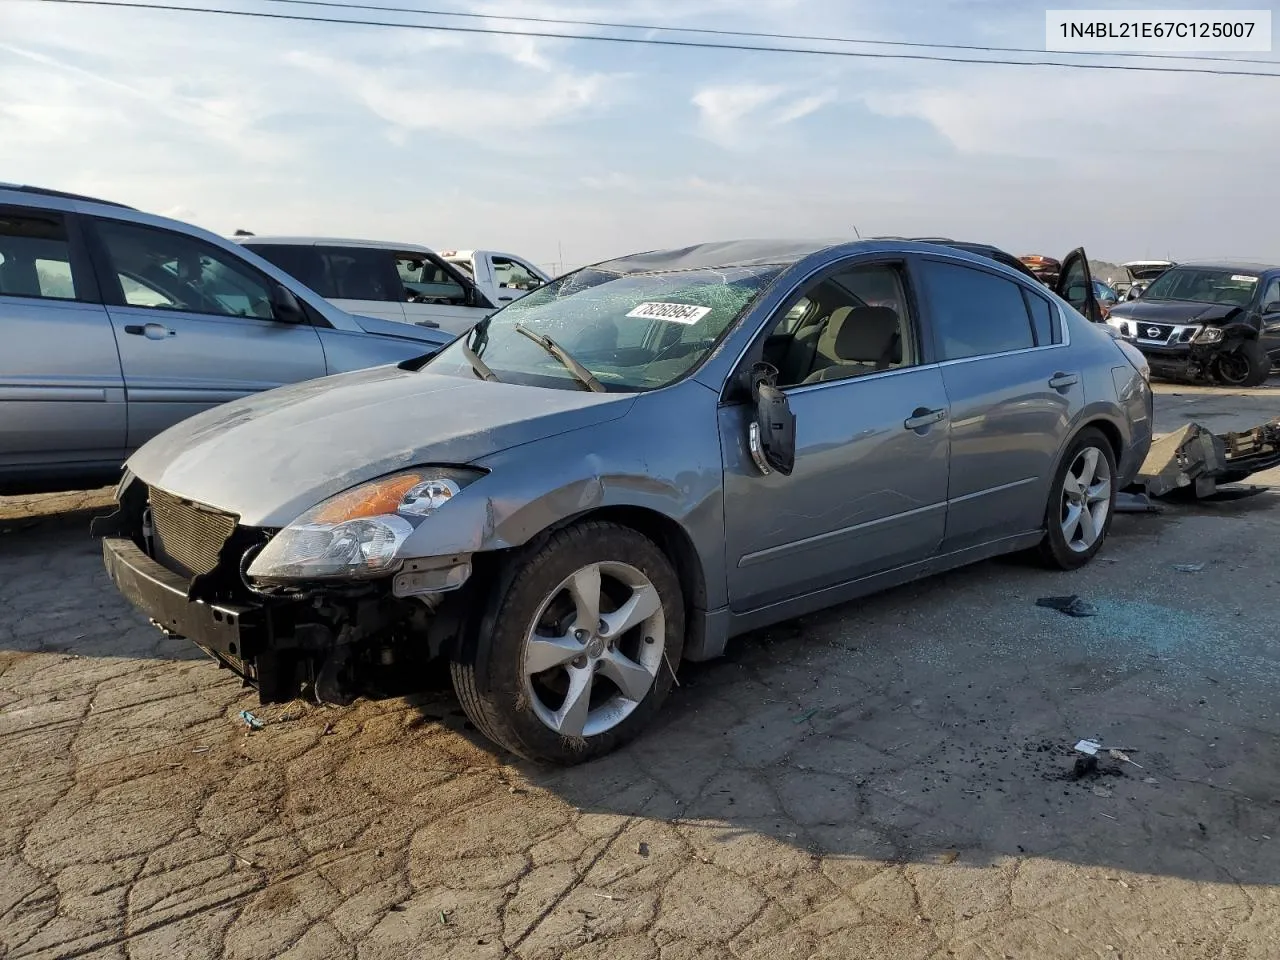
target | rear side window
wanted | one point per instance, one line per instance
(35, 257)
(298, 260)
(359, 273)
(1042, 320)
(974, 313)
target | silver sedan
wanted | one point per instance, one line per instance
(628, 467)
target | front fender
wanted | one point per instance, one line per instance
(663, 456)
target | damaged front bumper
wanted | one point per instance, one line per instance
(1197, 460)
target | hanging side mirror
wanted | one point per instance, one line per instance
(771, 435)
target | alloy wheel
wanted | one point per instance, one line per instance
(1086, 499)
(593, 649)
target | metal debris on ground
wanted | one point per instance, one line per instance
(250, 721)
(1088, 747)
(1188, 567)
(1130, 501)
(1072, 606)
(1194, 459)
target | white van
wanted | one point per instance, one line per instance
(395, 281)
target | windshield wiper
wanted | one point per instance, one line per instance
(479, 366)
(584, 376)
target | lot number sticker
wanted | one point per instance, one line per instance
(675, 312)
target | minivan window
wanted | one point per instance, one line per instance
(164, 270)
(358, 273)
(35, 257)
(635, 331)
(975, 313)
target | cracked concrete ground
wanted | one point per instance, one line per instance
(887, 779)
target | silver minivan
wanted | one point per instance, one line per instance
(117, 324)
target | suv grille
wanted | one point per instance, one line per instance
(190, 534)
(1156, 332)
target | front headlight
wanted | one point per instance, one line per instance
(1208, 335)
(355, 534)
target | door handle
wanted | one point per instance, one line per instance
(152, 331)
(504, 298)
(1060, 381)
(923, 417)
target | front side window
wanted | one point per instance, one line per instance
(850, 324)
(632, 332)
(35, 257)
(514, 275)
(426, 281)
(974, 313)
(1204, 285)
(164, 270)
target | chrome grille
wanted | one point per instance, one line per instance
(190, 534)
(1155, 332)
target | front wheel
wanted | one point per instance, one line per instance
(577, 647)
(1246, 366)
(1081, 502)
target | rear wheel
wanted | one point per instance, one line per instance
(1081, 502)
(1246, 366)
(578, 646)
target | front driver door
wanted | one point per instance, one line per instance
(868, 491)
(435, 295)
(1075, 285)
(194, 325)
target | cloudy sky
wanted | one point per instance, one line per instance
(579, 150)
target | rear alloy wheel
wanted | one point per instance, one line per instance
(577, 650)
(1081, 503)
(1246, 366)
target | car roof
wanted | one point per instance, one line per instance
(784, 252)
(1252, 266)
(250, 241)
(60, 194)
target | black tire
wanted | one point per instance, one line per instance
(1054, 550)
(1246, 366)
(490, 680)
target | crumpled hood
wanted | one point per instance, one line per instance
(271, 456)
(1174, 311)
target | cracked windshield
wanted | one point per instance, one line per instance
(634, 332)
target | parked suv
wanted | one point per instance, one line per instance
(116, 324)
(1215, 321)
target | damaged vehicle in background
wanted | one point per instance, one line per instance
(1139, 274)
(627, 467)
(1207, 321)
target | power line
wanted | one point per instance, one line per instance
(651, 41)
(710, 31)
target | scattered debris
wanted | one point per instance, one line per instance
(609, 896)
(1122, 757)
(250, 721)
(1109, 817)
(807, 715)
(1188, 567)
(1128, 501)
(289, 717)
(247, 863)
(1102, 792)
(444, 916)
(642, 848)
(328, 729)
(1084, 767)
(201, 749)
(1072, 606)
(1088, 747)
(1194, 459)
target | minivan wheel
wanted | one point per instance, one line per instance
(1081, 502)
(577, 646)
